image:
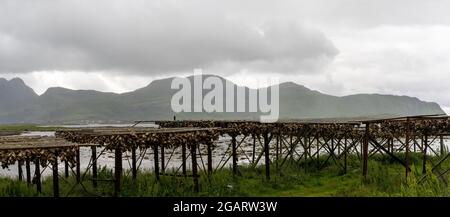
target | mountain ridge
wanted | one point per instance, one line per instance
(21, 104)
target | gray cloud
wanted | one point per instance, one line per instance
(150, 38)
(395, 47)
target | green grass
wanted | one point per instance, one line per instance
(385, 178)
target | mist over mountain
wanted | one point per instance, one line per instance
(20, 104)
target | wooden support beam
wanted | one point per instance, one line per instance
(277, 147)
(19, 165)
(37, 175)
(78, 170)
(66, 169)
(133, 163)
(266, 155)
(305, 151)
(28, 171)
(345, 155)
(210, 166)
(194, 167)
(156, 161)
(183, 158)
(332, 146)
(424, 159)
(253, 148)
(375, 142)
(163, 160)
(55, 177)
(365, 150)
(407, 148)
(117, 171)
(280, 143)
(318, 152)
(234, 154)
(94, 166)
(415, 143)
(292, 148)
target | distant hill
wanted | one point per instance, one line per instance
(20, 104)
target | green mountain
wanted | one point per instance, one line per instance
(20, 104)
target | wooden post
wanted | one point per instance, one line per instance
(163, 161)
(194, 167)
(78, 171)
(117, 170)
(55, 177)
(407, 148)
(156, 161)
(441, 138)
(19, 164)
(277, 151)
(291, 152)
(281, 145)
(365, 150)
(183, 158)
(267, 157)
(234, 154)
(389, 145)
(37, 174)
(28, 171)
(318, 152)
(414, 143)
(254, 149)
(339, 147)
(332, 147)
(210, 166)
(392, 145)
(305, 151)
(66, 169)
(133, 163)
(94, 166)
(345, 155)
(424, 159)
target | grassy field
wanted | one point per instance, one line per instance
(385, 178)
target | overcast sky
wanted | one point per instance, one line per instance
(338, 47)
